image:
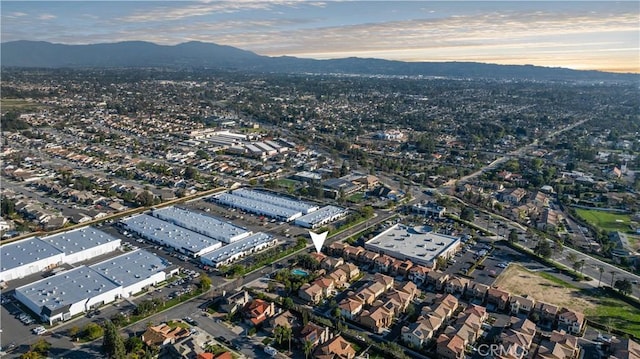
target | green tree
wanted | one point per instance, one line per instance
(624, 286)
(191, 173)
(31, 355)
(41, 347)
(205, 282)
(308, 347)
(513, 236)
(134, 344)
(467, 214)
(112, 343)
(92, 331)
(543, 249)
(601, 271)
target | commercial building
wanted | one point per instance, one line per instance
(429, 209)
(168, 234)
(321, 217)
(203, 224)
(28, 256)
(276, 200)
(66, 294)
(84, 243)
(420, 245)
(257, 207)
(236, 250)
(134, 271)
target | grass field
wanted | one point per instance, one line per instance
(605, 220)
(9, 104)
(546, 288)
(287, 183)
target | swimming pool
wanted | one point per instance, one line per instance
(299, 272)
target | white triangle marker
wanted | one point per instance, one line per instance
(318, 239)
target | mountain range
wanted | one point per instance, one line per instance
(208, 55)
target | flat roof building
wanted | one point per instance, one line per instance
(168, 234)
(276, 200)
(84, 243)
(203, 224)
(418, 244)
(257, 207)
(324, 215)
(236, 250)
(66, 294)
(28, 256)
(134, 271)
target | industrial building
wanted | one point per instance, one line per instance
(276, 200)
(134, 271)
(257, 207)
(168, 234)
(66, 294)
(84, 243)
(236, 250)
(321, 217)
(418, 244)
(203, 224)
(28, 256)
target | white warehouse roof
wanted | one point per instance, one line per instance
(131, 268)
(251, 243)
(203, 224)
(323, 215)
(30, 250)
(79, 240)
(257, 206)
(171, 235)
(419, 244)
(67, 288)
(276, 200)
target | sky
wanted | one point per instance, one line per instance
(594, 35)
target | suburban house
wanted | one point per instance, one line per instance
(312, 293)
(163, 334)
(418, 334)
(314, 333)
(350, 308)
(520, 304)
(624, 348)
(450, 347)
(385, 280)
(418, 274)
(369, 257)
(437, 279)
(336, 348)
(331, 263)
(258, 310)
(560, 345)
(498, 297)
(232, 302)
(520, 335)
(352, 253)
(401, 267)
(570, 320)
(477, 291)
(336, 248)
(456, 285)
(382, 264)
(351, 270)
(547, 312)
(377, 318)
(339, 277)
(283, 319)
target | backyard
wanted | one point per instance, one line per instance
(608, 311)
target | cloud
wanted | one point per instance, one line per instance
(46, 17)
(166, 13)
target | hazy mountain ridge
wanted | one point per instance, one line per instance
(199, 54)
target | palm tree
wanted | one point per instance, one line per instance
(287, 334)
(601, 270)
(308, 346)
(613, 275)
